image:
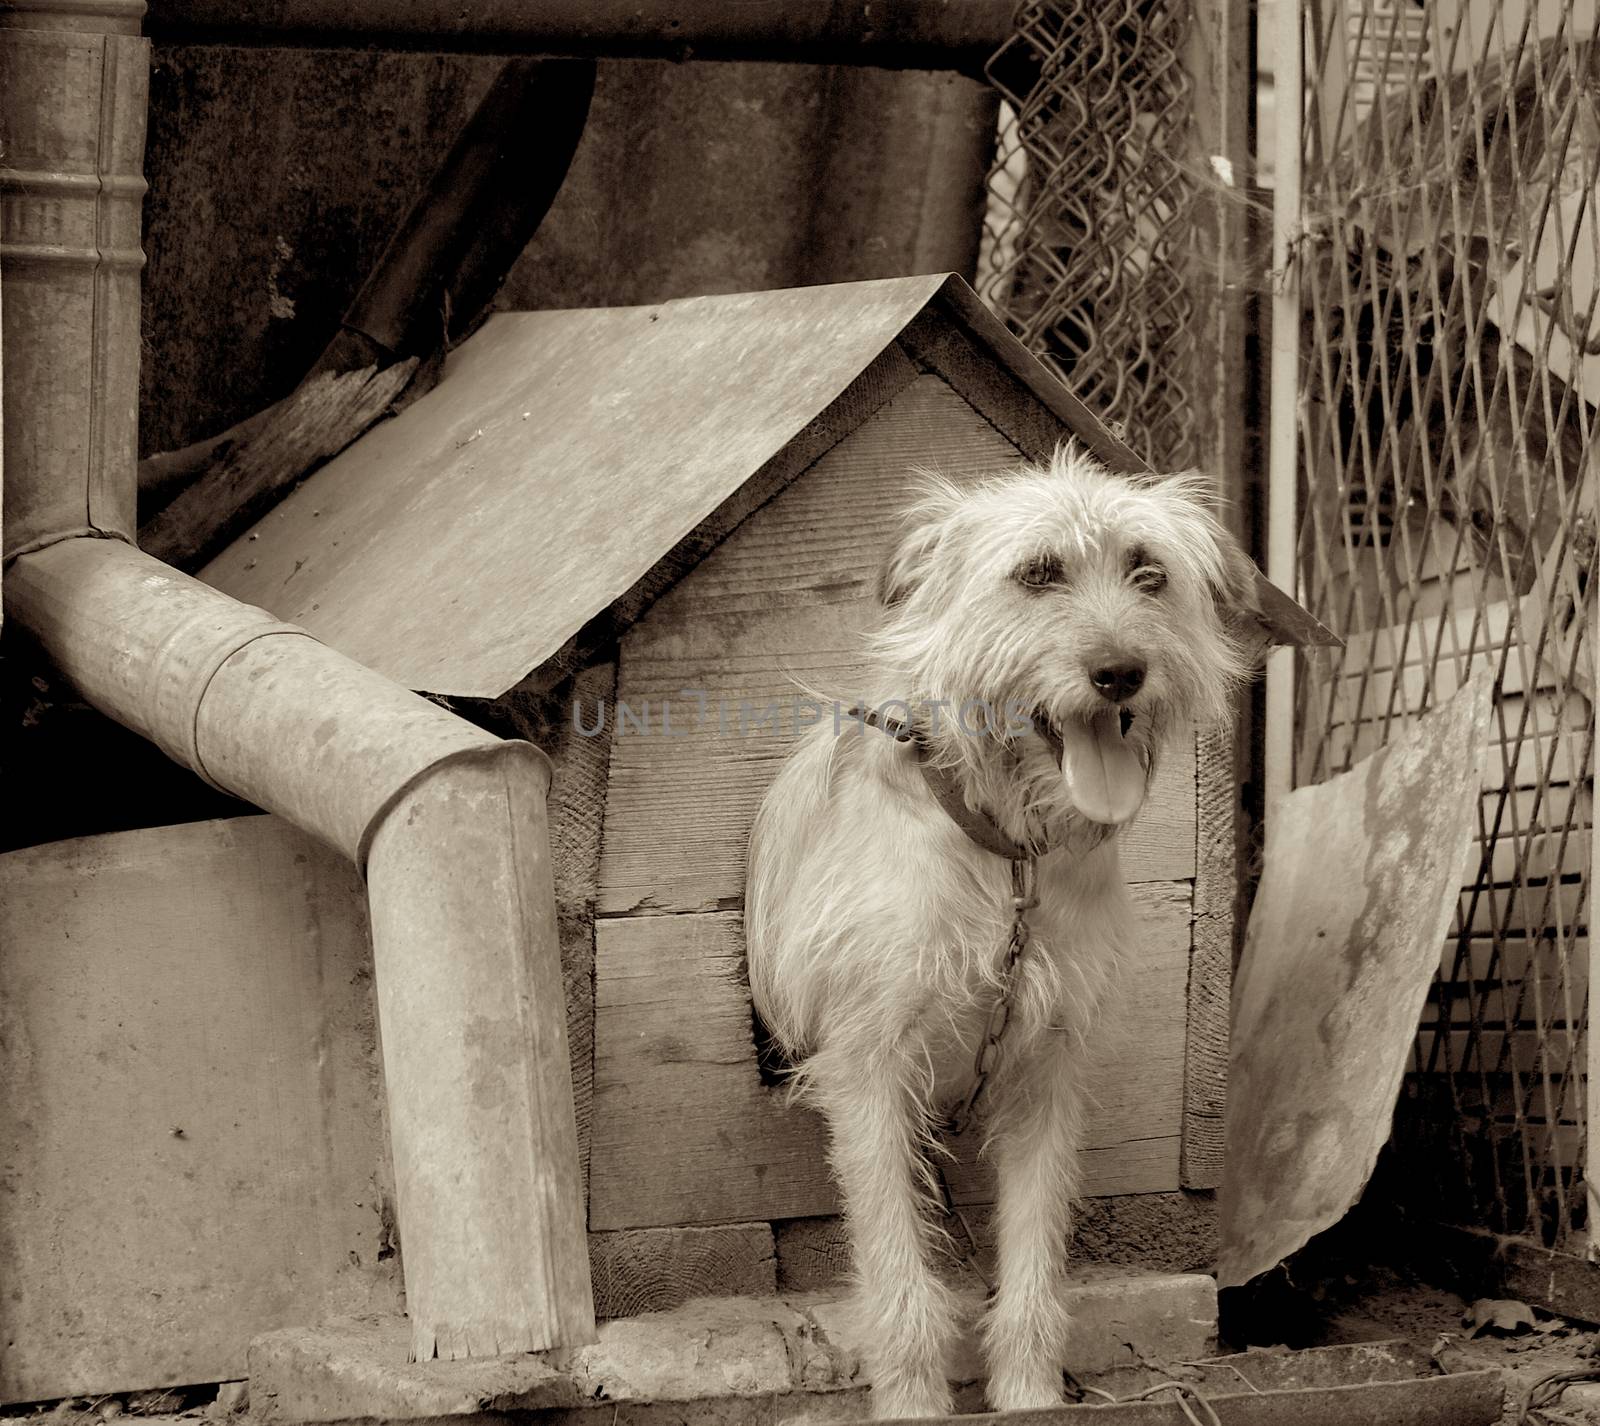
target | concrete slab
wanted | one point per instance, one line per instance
(772, 1360)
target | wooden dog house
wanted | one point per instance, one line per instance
(637, 535)
(691, 502)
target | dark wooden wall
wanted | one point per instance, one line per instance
(276, 176)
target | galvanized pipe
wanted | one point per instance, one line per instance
(891, 34)
(474, 1026)
(73, 95)
(448, 822)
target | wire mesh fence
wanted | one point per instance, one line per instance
(1086, 249)
(1449, 265)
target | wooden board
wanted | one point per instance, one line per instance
(686, 1132)
(717, 674)
(684, 1129)
(655, 1269)
(1547, 738)
(1157, 1232)
(1216, 887)
(192, 1140)
(1553, 961)
(577, 814)
(315, 422)
(1445, 642)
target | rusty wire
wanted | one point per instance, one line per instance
(1088, 234)
(1448, 386)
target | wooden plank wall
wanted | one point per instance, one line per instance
(192, 1147)
(684, 1130)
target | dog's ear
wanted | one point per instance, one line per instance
(926, 523)
(908, 564)
(1235, 585)
(1237, 593)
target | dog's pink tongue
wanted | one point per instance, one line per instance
(1104, 776)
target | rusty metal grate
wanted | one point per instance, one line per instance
(1086, 243)
(1448, 259)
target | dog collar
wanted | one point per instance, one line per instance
(980, 828)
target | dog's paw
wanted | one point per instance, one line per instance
(1024, 1392)
(893, 1400)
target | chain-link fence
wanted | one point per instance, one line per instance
(1087, 243)
(1448, 259)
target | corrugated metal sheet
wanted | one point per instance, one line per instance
(459, 545)
(1361, 878)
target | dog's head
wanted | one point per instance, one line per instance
(1089, 608)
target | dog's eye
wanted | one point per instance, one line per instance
(1040, 572)
(1147, 576)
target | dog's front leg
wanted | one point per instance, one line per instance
(1035, 1138)
(908, 1314)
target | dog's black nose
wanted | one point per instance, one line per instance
(1118, 682)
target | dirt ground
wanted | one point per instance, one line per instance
(223, 1405)
(1384, 1305)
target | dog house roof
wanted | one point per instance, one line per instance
(564, 455)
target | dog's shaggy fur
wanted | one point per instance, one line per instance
(877, 929)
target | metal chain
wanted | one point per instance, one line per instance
(1024, 897)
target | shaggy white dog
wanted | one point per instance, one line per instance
(1042, 635)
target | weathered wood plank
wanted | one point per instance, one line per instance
(323, 416)
(682, 801)
(574, 728)
(1433, 652)
(1221, 381)
(685, 1131)
(191, 1134)
(577, 815)
(938, 344)
(776, 612)
(1555, 756)
(1205, 1071)
(812, 1253)
(1160, 1232)
(652, 1269)
(1525, 1052)
(1542, 982)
